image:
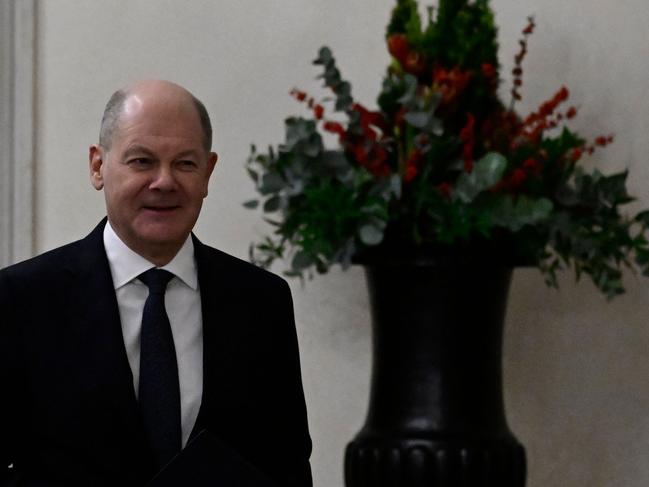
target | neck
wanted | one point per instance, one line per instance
(159, 259)
(158, 253)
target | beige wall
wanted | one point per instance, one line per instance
(575, 366)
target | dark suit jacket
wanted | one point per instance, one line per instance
(68, 412)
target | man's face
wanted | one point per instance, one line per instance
(155, 175)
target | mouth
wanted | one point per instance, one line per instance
(162, 209)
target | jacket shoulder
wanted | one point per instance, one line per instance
(48, 263)
(237, 270)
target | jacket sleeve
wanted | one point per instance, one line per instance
(9, 381)
(299, 440)
(282, 444)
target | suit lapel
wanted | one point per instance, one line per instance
(219, 335)
(94, 319)
(94, 316)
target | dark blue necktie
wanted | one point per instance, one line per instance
(159, 391)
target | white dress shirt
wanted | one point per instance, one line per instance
(183, 304)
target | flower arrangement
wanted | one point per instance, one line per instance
(444, 164)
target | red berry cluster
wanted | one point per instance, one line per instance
(365, 147)
(600, 141)
(514, 180)
(450, 83)
(445, 189)
(368, 148)
(412, 165)
(411, 61)
(301, 96)
(517, 71)
(546, 117)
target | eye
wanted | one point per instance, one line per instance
(139, 162)
(187, 164)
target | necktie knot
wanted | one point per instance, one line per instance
(156, 280)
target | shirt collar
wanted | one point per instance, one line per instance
(126, 265)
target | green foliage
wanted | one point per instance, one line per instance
(443, 163)
(463, 33)
(514, 213)
(332, 79)
(466, 34)
(405, 20)
(328, 206)
(486, 173)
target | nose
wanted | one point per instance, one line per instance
(164, 179)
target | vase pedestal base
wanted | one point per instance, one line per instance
(426, 463)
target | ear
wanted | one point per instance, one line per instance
(211, 164)
(96, 159)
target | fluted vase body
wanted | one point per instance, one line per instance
(436, 416)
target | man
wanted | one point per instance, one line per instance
(107, 376)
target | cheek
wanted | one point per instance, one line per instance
(123, 194)
(194, 190)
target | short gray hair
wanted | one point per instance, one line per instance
(115, 107)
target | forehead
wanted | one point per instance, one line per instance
(174, 121)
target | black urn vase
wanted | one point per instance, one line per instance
(436, 415)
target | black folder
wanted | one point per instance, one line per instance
(208, 461)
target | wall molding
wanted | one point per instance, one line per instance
(17, 136)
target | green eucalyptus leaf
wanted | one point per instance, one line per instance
(343, 102)
(396, 186)
(298, 131)
(486, 173)
(643, 218)
(567, 196)
(417, 119)
(301, 260)
(272, 204)
(253, 175)
(335, 163)
(310, 149)
(251, 204)
(373, 209)
(435, 126)
(334, 159)
(642, 257)
(371, 233)
(332, 76)
(613, 189)
(274, 223)
(324, 56)
(296, 187)
(515, 214)
(344, 88)
(271, 182)
(410, 94)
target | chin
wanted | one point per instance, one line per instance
(162, 236)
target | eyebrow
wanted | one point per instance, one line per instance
(138, 149)
(185, 153)
(141, 149)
